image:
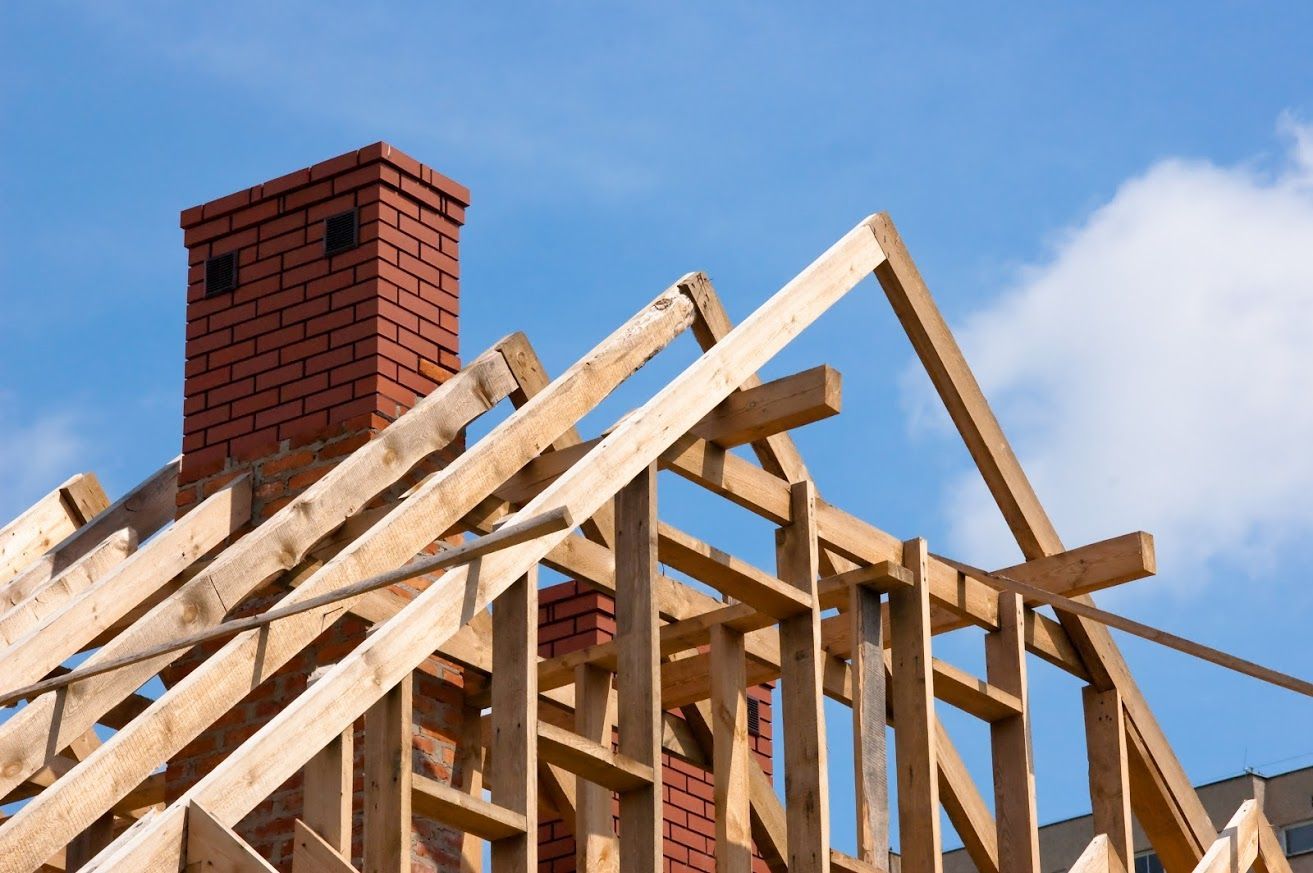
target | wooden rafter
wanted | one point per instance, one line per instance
(70, 581)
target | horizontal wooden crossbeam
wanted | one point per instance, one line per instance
(590, 760)
(474, 815)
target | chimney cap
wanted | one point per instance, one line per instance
(378, 152)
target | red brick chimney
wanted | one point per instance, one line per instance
(312, 300)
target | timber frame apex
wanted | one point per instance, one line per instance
(533, 492)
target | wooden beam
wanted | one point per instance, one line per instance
(145, 509)
(752, 414)
(816, 397)
(595, 717)
(514, 779)
(1110, 781)
(60, 635)
(730, 575)
(311, 853)
(638, 673)
(213, 848)
(1014, 768)
(474, 815)
(801, 691)
(50, 596)
(433, 616)
(956, 592)
(278, 546)
(1034, 533)
(46, 522)
(589, 760)
(913, 699)
(732, 757)
(503, 537)
(966, 809)
(870, 705)
(328, 789)
(389, 735)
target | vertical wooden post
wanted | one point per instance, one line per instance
(329, 783)
(638, 673)
(731, 756)
(514, 779)
(469, 758)
(594, 718)
(1110, 793)
(388, 739)
(805, 779)
(915, 750)
(870, 708)
(1014, 769)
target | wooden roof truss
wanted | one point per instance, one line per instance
(121, 582)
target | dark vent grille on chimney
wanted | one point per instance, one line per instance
(220, 274)
(340, 232)
(754, 717)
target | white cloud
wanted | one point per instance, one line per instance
(1155, 371)
(36, 454)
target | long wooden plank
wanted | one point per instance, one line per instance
(801, 691)
(466, 552)
(1110, 781)
(42, 525)
(1014, 769)
(590, 760)
(913, 699)
(145, 509)
(62, 634)
(638, 673)
(488, 821)
(261, 764)
(753, 414)
(279, 544)
(389, 734)
(1084, 609)
(514, 779)
(939, 353)
(49, 597)
(730, 575)
(731, 754)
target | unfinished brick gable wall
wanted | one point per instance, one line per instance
(307, 358)
(573, 616)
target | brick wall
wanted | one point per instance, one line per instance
(573, 616)
(301, 363)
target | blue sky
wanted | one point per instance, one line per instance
(1113, 203)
